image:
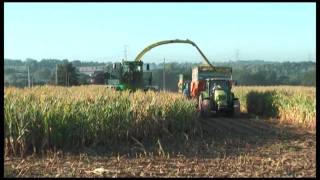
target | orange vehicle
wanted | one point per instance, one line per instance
(197, 87)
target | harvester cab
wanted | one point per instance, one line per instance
(129, 75)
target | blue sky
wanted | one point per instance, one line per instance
(100, 31)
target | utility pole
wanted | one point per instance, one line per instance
(125, 52)
(237, 55)
(164, 75)
(67, 79)
(56, 74)
(309, 57)
(29, 84)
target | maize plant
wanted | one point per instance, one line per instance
(45, 117)
(59, 117)
(290, 104)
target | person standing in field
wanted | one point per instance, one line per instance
(186, 91)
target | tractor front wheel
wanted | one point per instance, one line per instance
(200, 106)
(204, 107)
(236, 107)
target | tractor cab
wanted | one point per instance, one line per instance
(216, 83)
(219, 91)
(217, 97)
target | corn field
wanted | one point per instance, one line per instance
(59, 117)
(47, 117)
(290, 104)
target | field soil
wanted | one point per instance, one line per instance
(223, 147)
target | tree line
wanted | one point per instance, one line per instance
(66, 73)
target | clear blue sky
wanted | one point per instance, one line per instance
(100, 31)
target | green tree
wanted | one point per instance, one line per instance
(42, 74)
(309, 78)
(12, 80)
(67, 75)
(32, 64)
(84, 79)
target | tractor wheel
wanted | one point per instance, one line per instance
(206, 107)
(236, 108)
(200, 106)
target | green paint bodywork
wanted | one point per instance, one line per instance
(205, 95)
(129, 75)
(222, 98)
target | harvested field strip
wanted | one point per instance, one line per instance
(261, 123)
(291, 154)
(258, 125)
(267, 161)
(239, 125)
(254, 127)
(226, 125)
(213, 128)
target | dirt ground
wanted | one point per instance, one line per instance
(225, 147)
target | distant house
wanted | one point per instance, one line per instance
(16, 68)
(90, 70)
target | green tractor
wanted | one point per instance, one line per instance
(218, 98)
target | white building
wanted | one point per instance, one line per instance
(91, 69)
